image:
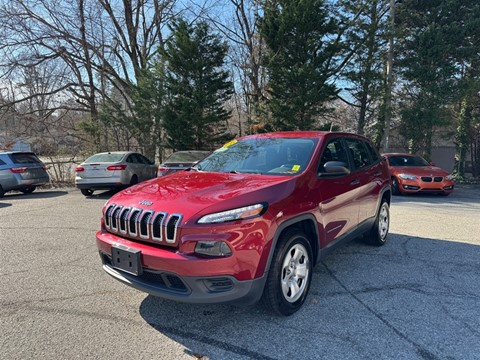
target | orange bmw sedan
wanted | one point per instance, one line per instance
(413, 174)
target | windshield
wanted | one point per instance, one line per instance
(272, 156)
(404, 160)
(107, 158)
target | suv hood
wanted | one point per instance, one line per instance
(191, 192)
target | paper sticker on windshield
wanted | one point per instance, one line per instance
(296, 167)
(230, 143)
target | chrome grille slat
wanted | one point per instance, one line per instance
(157, 226)
(123, 220)
(171, 228)
(133, 222)
(144, 224)
(115, 217)
(137, 223)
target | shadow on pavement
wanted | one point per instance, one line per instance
(412, 298)
(38, 194)
(101, 194)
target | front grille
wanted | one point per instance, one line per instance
(438, 179)
(135, 223)
(426, 179)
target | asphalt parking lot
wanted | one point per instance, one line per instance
(417, 297)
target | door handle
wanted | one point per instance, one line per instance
(355, 182)
(378, 173)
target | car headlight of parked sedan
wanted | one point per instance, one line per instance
(407, 177)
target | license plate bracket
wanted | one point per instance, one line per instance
(127, 259)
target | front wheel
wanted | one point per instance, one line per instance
(379, 232)
(290, 274)
(395, 187)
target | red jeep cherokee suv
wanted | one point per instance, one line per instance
(248, 222)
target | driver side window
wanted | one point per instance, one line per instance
(334, 151)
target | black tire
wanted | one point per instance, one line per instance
(87, 192)
(134, 180)
(28, 190)
(378, 234)
(1, 191)
(291, 265)
(395, 187)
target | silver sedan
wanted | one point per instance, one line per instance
(113, 170)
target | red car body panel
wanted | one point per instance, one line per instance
(335, 207)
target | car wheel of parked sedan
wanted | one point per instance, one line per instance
(28, 190)
(290, 274)
(1, 191)
(133, 180)
(87, 192)
(379, 232)
(395, 187)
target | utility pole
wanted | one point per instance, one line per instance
(389, 76)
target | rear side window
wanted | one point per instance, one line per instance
(373, 152)
(2, 162)
(144, 159)
(24, 158)
(358, 152)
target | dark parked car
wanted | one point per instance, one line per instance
(181, 160)
(248, 222)
(22, 171)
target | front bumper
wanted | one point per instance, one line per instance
(412, 186)
(190, 289)
(169, 274)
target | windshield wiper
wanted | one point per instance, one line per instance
(245, 172)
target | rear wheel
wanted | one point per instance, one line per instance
(87, 192)
(395, 187)
(133, 180)
(290, 274)
(28, 190)
(379, 232)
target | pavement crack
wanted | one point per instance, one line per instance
(423, 353)
(171, 331)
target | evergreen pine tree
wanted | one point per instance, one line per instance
(302, 45)
(197, 87)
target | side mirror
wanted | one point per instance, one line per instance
(335, 168)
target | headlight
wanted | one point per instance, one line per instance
(449, 177)
(245, 212)
(408, 177)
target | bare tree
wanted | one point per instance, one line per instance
(103, 46)
(237, 20)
